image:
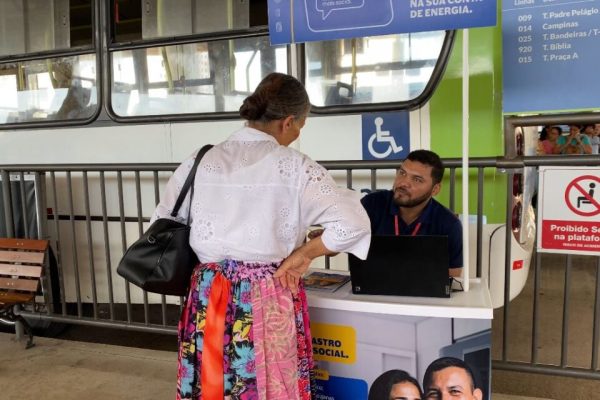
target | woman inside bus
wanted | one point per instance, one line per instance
(574, 143)
(592, 133)
(244, 332)
(548, 139)
(595, 139)
(395, 384)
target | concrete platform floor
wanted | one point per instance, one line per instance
(63, 370)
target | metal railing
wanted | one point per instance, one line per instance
(92, 212)
(514, 354)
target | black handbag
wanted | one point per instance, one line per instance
(162, 261)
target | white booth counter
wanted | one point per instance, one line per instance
(358, 337)
(476, 303)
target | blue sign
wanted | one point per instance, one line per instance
(308, 20)
(385, 136)
(337, 388)
(551, 53)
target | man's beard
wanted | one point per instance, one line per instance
(410, 202)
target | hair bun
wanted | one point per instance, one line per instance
(276, 97)
(253, 108)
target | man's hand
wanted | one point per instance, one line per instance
(455, 272)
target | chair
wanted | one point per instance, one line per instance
(21, 268)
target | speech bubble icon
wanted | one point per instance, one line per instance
(326, 7)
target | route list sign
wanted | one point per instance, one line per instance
(569, 210)
(551, 53)
(310, 20)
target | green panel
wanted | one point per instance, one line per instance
(485, 117)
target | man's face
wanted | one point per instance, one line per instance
(413, 184)
(452, 383)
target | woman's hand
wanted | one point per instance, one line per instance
(296, 264)
(291, 270)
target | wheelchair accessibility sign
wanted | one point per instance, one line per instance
(385, 136)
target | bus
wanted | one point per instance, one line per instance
(94, 83)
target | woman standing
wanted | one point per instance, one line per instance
(244, 330)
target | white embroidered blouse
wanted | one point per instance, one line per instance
(254, 200)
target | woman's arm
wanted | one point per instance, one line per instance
(296, 264)
(585, 144)
(558, 147)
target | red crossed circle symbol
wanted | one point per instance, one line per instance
(574, 185)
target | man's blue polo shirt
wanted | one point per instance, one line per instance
(435, 220)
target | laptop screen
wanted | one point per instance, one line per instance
(403, 266)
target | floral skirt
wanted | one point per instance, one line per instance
(242, 336)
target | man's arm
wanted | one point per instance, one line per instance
(455, 249)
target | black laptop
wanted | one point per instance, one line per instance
(403, 266)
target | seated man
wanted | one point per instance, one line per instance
(409, 208)
(450, 378)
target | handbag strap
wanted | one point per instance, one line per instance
(189, 181)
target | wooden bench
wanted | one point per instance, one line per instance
(21, 268)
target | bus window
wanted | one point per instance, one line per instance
(202, 77)
(37, 84)
(200, 57)
(380, 69)
(36, 25)
(48, 89)
(155, 19)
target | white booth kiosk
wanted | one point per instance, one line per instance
(358, 337)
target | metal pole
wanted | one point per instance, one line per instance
(123, 237)
(22, 194)
(109, 282)
(452, 190)
(7, 198)
(41, 215)
(536, 303)
(564, 346)
(163, 298)
(465, 158)
(138, 198)
(507, 266)
(88, 225)
(596, 332)
(59, 257)
(349, 178)
(480, 174)
(74, 244)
